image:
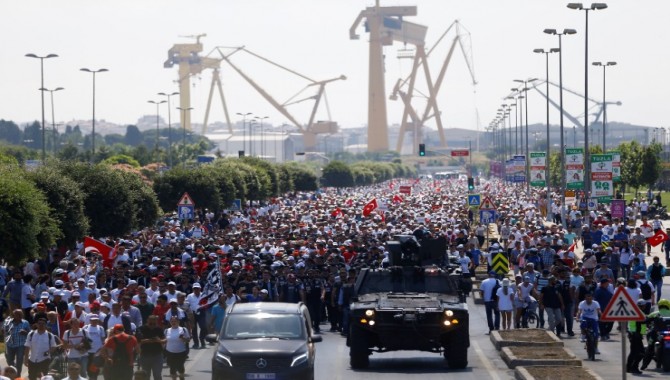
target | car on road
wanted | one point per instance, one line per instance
(265, 341)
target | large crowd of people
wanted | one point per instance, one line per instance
(75, 313)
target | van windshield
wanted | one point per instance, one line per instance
(263, 325)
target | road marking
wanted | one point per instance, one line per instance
(489, 366)
(195, 359)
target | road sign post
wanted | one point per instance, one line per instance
(474, 200)
(622, 309)
(186, 208)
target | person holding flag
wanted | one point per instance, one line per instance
(200, 316)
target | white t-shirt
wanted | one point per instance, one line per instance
(634, 293)
(487, 288)
(465, 263)
(505, 301)
(589, 311)
(97, 336)
(39, 346)
(74, 340)
(174, 344)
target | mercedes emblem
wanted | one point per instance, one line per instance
(261, 363)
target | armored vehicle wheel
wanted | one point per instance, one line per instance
(456, 355)
(359, 354)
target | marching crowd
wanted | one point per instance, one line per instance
(82, 313)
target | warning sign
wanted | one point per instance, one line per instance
(500, 263)
(622, 308)
(185, 200)
(487, 204)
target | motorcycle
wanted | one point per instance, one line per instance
(662, 351)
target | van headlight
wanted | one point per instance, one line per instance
(369, 313)
(299, 359)
(223, 359)
(449, 313)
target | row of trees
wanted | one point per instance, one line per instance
(339, 174)
(72, 144)
(61, 201)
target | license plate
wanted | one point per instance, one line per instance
(260, 376)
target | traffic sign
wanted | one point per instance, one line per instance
(236, 205)
(460, 153)
(186, 212)
(500, 263)
(487, 216)
(622, 308)
(593, 204)
(487, 204)
(186, 200)
(474, 199)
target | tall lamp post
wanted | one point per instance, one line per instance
(560, 95)
(260, 119)
(53, 113)
(525, 90)
(183, 117)
(244, 129)
(547, 173)
(169, 105)
(587, 164)
(157, 103)
(604, 65)
(42, 58)
(93, 121)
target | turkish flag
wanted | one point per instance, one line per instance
(572, 247)
(397, 198)
(349, 202)
(337, 212)
(383, 217)
(658, 238)
(108, 253)
(370, 207)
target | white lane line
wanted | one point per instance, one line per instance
(193, 360)
(487, 363)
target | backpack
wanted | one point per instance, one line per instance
(494, 292)
(646, 290)
(120, 355)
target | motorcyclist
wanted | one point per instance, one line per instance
(652, 336)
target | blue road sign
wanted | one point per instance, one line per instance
(236, 205)
(186, 212)
(474, 200)
(487, 216)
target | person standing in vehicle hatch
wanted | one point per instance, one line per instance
(315, 293)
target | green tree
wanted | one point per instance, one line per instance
(337, 174)
(303, 178)
(10, 132)
(66, 202)
(26, 227)
(122, 159)
(133, 136)
(108, 202)
(651, 164)
(143, 198)
(200, 184)
(631, 163)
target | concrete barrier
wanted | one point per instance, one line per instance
(513, 359)
(499, 342)
(522, 373)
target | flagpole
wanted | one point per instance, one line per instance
(218, 268)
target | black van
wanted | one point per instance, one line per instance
(265, 341)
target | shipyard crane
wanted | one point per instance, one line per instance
(405, 88)
(187, 58)
(537, 86)
(312, 127)
(385, 25)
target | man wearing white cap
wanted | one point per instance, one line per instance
(199, 314)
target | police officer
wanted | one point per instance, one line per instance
(663, 311)
(315, 294)
(636, 331)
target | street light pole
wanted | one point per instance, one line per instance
(244, 130)
(53, 113)
(548, 157)
(183, 117)
(169, 105)
(587, 164)
(42, 58)
(157, 103)
(604, 65)
(560, 92)
(527, 166)
(93, 121)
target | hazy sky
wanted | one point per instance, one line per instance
(131, 39)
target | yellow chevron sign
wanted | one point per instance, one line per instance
(500, 263)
